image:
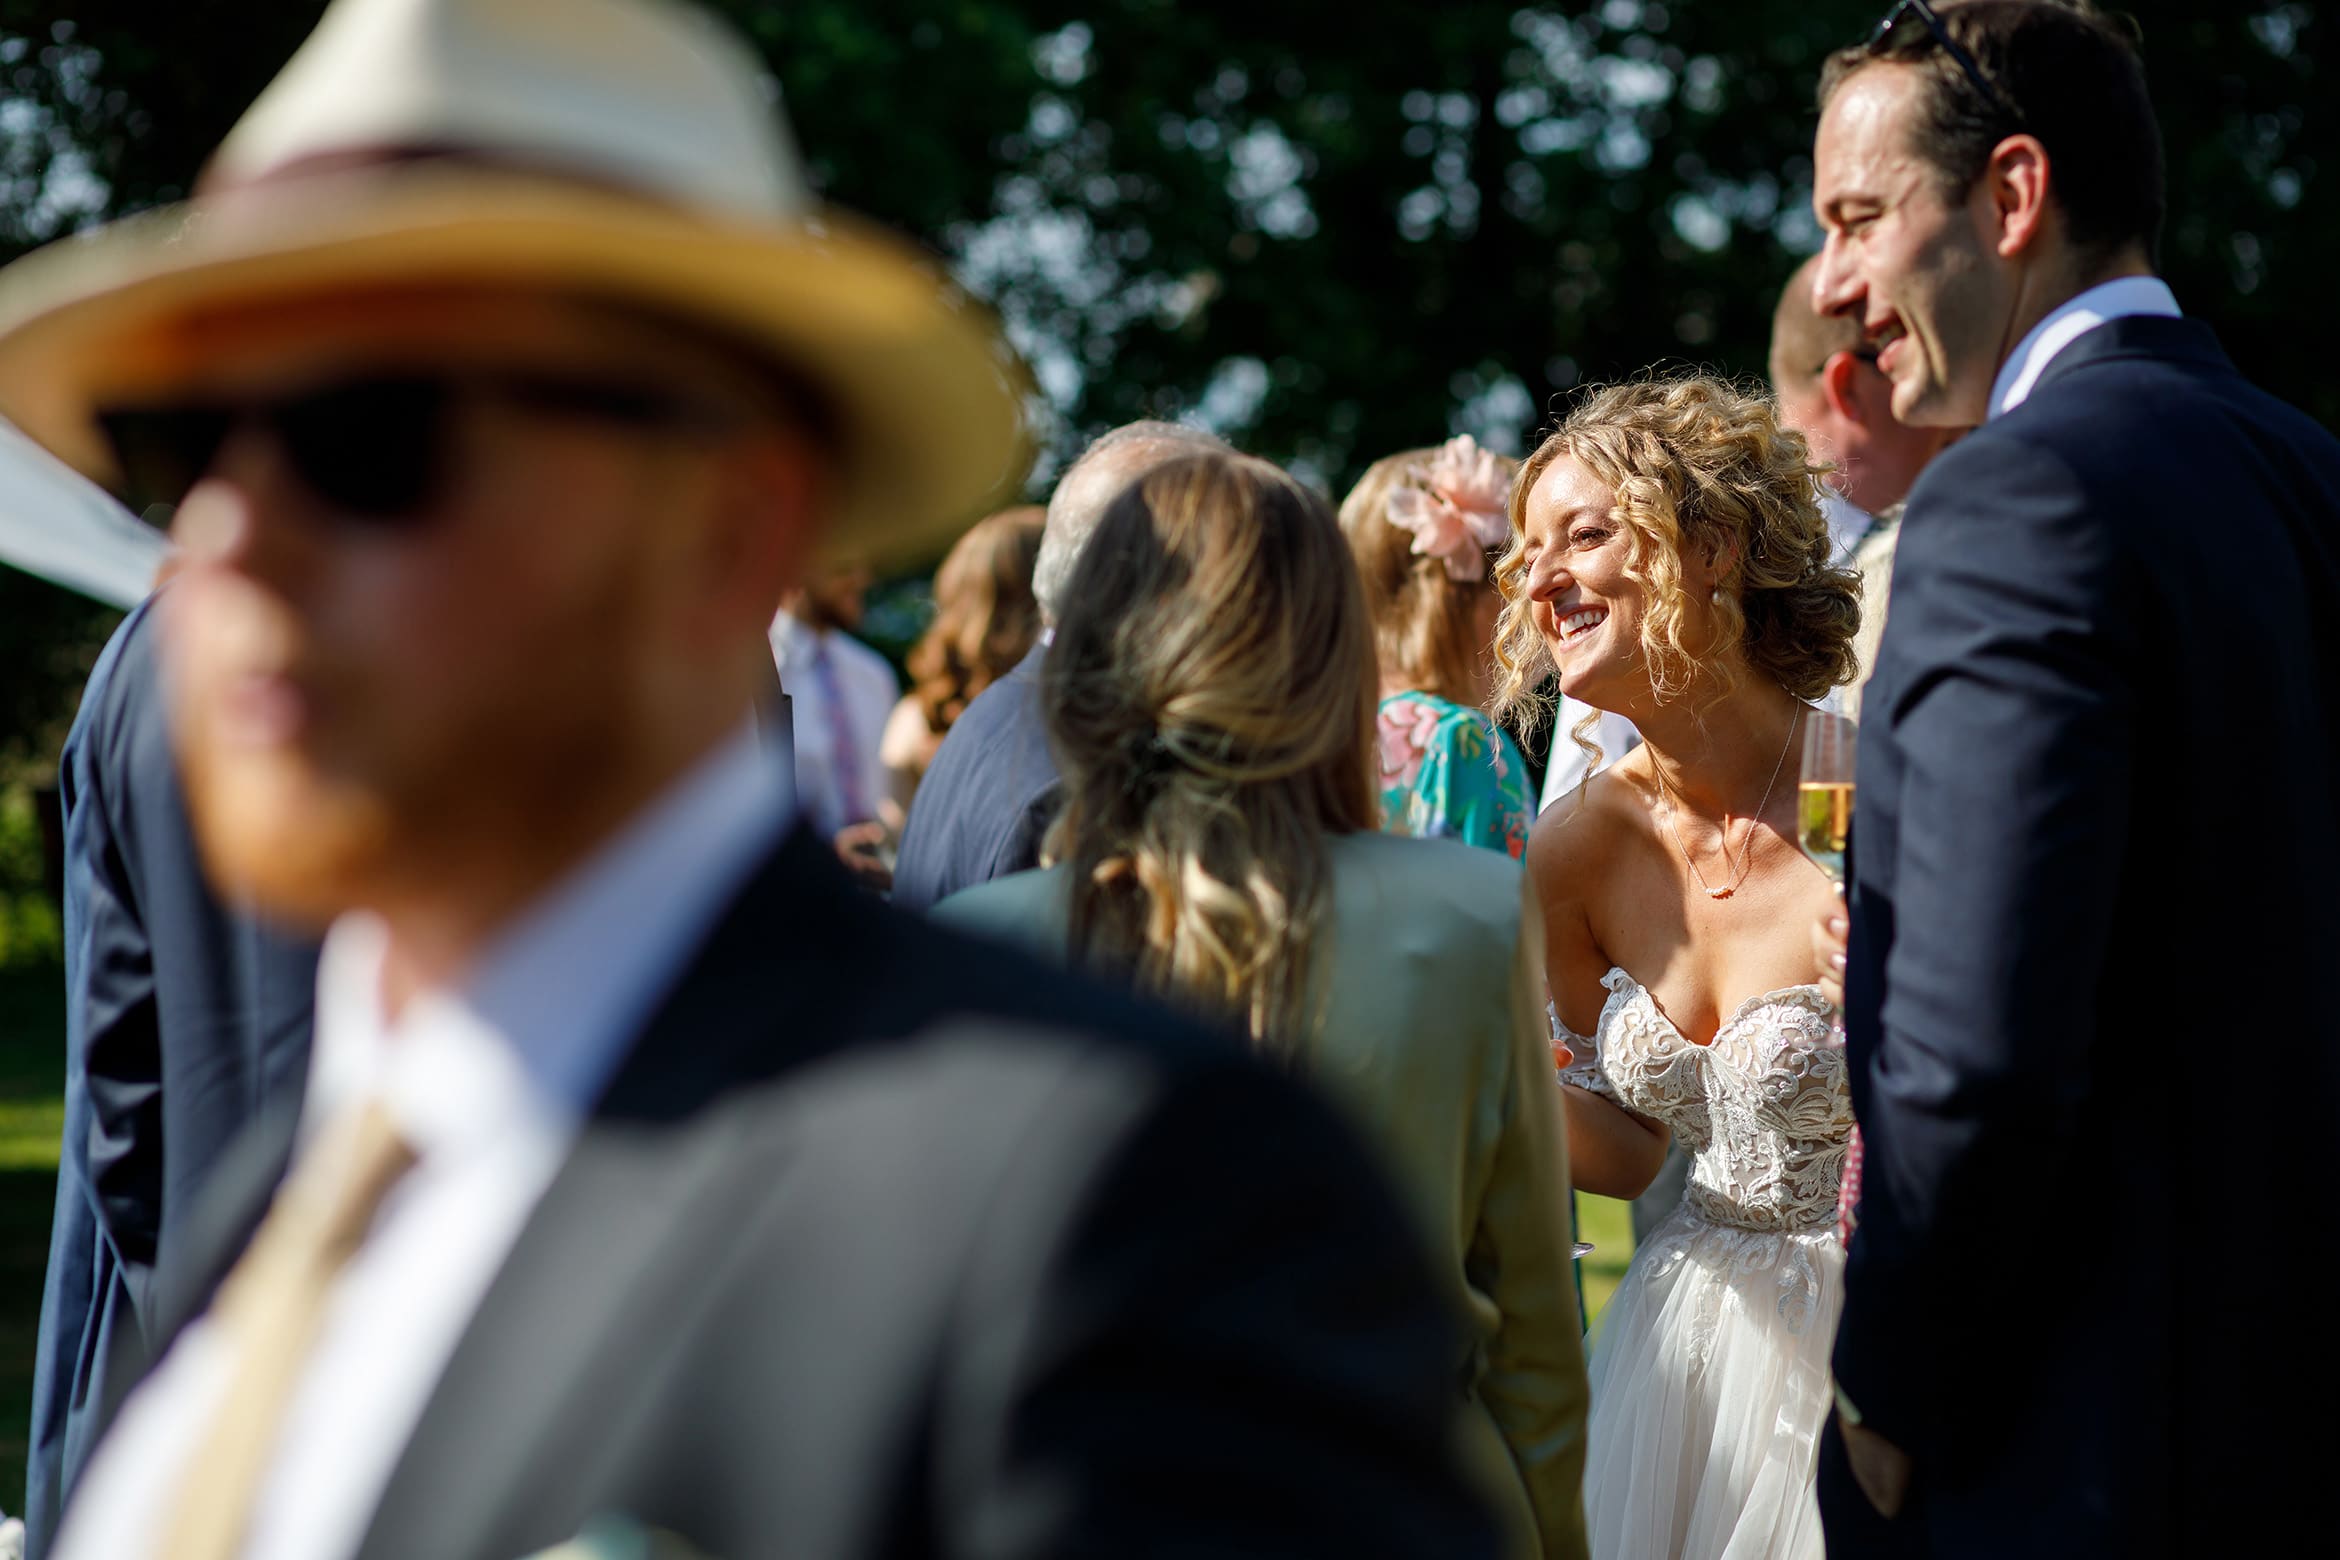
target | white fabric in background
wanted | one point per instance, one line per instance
(56, 523)
(865, 682)
(1849, 525)
(1571, 765)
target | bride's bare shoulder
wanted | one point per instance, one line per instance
(1583, 832)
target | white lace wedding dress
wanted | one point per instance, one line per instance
(1710, 1381)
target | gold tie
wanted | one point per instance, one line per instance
(268, 1311)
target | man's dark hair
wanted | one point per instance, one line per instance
(2064, 72)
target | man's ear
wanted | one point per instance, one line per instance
(2016, 180)
(1839, 382)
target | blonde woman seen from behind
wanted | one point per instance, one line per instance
(1210, 695)
(1425, 528)
(1671, 565)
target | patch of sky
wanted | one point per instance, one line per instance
(2278, 29)
(1064, 56)
(1700, 225)
(1264, 174)
(1231, 401)
(1493, 407)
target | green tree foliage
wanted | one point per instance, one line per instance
(1330, 230)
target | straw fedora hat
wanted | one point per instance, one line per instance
(620, 148)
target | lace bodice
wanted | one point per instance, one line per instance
(1763, 1110)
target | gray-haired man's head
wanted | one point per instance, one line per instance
(1090, 485)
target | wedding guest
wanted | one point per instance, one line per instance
(991, 792)
(647, 1173)
(1424, 528)
(1825, 375)
(1671, 565)
(1211, 697)
(185, 1018)
(985, 621)
(841, 695)
(2071, 942)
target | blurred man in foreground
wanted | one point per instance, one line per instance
(647, 1177)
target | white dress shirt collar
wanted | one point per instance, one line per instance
(794, 641)
(2117, 299)
(553, 1003)
(1849, 525)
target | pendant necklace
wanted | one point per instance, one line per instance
(1747, 852)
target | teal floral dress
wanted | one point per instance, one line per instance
(1448, 772)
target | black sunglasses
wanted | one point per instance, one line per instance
(375, 448)
(1950, 46)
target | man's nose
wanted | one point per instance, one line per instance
(237, 515)
(1835, 284)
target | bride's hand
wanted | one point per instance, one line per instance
(1828, 943)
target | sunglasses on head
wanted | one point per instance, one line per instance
(1949, 45)
(375, 448)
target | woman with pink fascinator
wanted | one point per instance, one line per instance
(1425, 528)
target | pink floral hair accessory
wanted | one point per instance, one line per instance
(1460, 513)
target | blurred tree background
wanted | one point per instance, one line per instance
(1328, 231)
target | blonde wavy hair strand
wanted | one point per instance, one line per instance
(1210, 696)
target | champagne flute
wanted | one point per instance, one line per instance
(1824, 793)
(1824, 802)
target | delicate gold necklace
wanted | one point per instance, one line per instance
(1747, 850)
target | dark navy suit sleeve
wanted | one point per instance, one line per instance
(2002, 778)
(109, 1167)
(1019, 848)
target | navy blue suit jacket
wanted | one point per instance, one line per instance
(2093, 902)
(988, 797)
(182, 1020)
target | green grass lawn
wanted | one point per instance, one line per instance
(1608, 1224)
(32, 1112)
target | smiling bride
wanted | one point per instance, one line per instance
(1669, 562)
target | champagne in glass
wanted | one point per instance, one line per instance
(1824, 795)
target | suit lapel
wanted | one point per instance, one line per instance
(528, 1416)
(528, 1431)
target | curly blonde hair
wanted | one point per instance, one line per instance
(1426, 625)
(1696, 463)
(1210, 697)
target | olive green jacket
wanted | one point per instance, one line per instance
(1435, 1038)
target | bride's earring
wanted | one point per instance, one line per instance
(1714, 596)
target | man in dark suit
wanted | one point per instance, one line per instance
(984, 807)
(647, 1180)
(183, 1020)
(2074, 935)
